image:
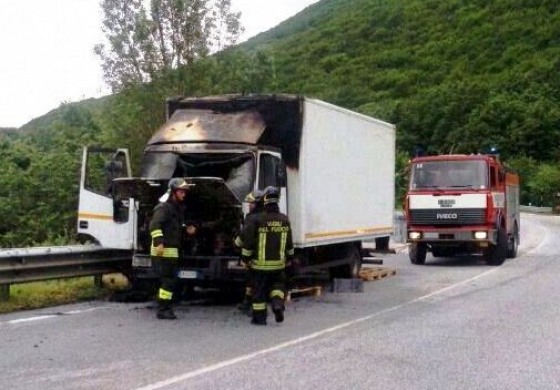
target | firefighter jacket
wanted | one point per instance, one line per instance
(253, 214)
(166, 227)
(266, 240)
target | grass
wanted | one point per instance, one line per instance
(36, 295)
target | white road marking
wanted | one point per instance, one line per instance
(30, 319)
(299, 340)
(44, 317)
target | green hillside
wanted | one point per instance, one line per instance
(453, 75)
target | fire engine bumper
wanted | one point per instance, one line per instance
(482, 236)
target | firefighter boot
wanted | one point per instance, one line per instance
(256, 321)
(166, 314)
(278, 310)
(259, 317)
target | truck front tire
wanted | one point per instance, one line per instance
(417, 252)
(513, 243)
(496, 254)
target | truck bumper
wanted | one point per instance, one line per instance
(200, 270)
(478, 236)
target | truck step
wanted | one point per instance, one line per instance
(374, 273)
(314, 291)
(372, 260)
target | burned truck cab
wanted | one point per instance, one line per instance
(221, 151)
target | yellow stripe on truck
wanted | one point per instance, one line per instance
(95, 216)
(382, 229)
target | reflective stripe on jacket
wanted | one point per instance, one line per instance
(267, 240)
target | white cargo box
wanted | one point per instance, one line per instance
(344, 187)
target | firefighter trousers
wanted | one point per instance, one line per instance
(166, 270)
(267, 285)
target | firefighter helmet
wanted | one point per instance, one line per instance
(271, 195)
(254, 196)
(178, 183)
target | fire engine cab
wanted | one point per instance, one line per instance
(462, 204)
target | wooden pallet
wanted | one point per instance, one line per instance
(314, 291)
(374, 273)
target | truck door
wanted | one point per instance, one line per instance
(107, 222)
(271, 171)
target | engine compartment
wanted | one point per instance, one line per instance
(213, 205)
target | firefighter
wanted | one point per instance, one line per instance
(254, 199)
(166, 229)
(267, 247)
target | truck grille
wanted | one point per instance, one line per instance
(448, 217)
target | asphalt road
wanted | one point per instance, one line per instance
(451, 324)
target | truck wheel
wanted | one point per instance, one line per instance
(417, 253)
(351, 270)
(496, 254)
(513, 243)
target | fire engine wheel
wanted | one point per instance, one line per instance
(417, 253)
(496, 254)
(513, 243)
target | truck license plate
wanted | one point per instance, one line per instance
(188, 274)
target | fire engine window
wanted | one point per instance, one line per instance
(493, 177)
(449, 174)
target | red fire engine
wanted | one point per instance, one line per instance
(462, 204)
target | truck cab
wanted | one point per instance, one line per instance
(224, 167)
(118, 216)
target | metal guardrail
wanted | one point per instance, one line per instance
(21, 265)
(536, 210)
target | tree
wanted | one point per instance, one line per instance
(545, 185)
(39, 180)
(144, 42)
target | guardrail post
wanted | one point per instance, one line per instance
(400, 228)
(4, 292)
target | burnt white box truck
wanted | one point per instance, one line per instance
(335, 169)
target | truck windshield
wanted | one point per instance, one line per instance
(449, 174)
(236, 169)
